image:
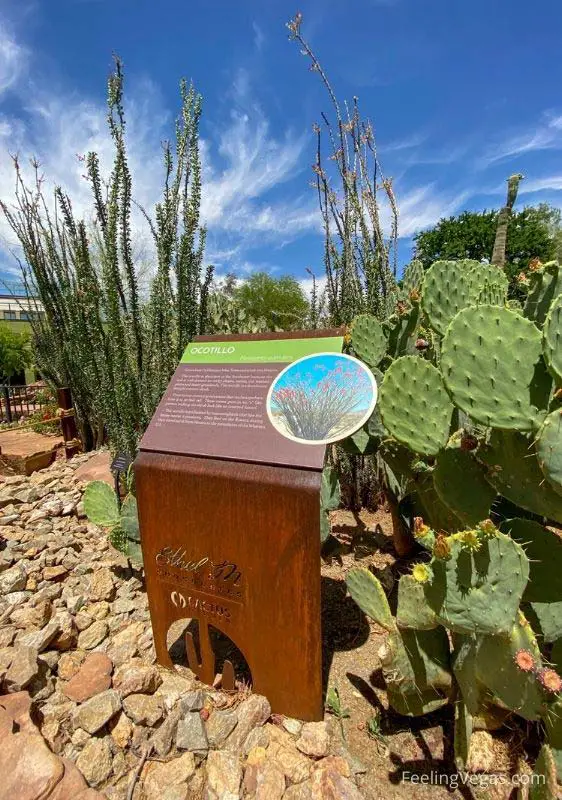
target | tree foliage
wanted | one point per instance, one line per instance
(532, 234)
(15, 353)
(281, 302)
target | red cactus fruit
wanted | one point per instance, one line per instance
(525, 660)
(469, 442)
(550, 679)
(422, 344)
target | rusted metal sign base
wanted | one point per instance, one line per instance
(236, 546)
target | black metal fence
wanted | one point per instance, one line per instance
(16, 401)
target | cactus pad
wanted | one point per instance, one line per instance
(543, 548)
(493, 293)
(513, 470)
(414, 405)
(493, 368)
(463, 734)
(412, 610)
(545, 788)
(546, 619)
(369, 595)
(549, 449)
(479, 590)
(544, 288)
(437, 515)
(100, 504)
(497, 669)
(552, 339)
(461, 485)
(553, 722)
(401, 330)
(413, 276)
(448, 287)
(368, 339)
(416, 704)
(417, 660)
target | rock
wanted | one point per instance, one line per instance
(161, 777)
(481, 752)
(93, 677)
(101, 585)
(121, 731)
(83, 621)
(41, 639)
(18, 707)
(293, 764)
(97, 468)
(224, 774)
(68, 634)
(334, 762)
(136, 677)
(93, 635)
(143, 709)
(301, 791)
(259, 737)
(69, 664)
(163, 739)
(292, 726)
(329, 784)
(122, 653)
(131, 633)
(123, 606)
(29, 770)
(95, 712)
(95, 762)
(172, 688)
(314, 739)
(190, 734)
(270, 781)
(75, 603)
(13, 580)
(71, 785)
(193, 701)
(33, 616)
(180, 791)
(219, 727)
(252, 713)
(6, 723)
(54, 573)
(23, 669)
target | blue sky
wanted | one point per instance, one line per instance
(461, 95)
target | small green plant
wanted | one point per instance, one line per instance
(334, 707)
(102, 508)
(374, 730)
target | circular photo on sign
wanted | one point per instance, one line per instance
(322, 398)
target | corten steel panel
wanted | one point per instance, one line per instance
(263, 522)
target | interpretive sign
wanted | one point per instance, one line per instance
(215, 405)
(228, 484)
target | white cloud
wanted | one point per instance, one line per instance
(12, 59)
(546, 135)
(259, 37)
(550, 184)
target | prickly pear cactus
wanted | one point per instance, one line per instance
(552, 339)
(414, 405)
(369, 595)
(100, 504)
(508, 666)
(545, 284)
(479, 586)
(460, 483)
(549, 449)
(413, 277)
(448, 287)
(413, 610)
(492, 366)
(513, 470)
(368, 339)
(545, 788)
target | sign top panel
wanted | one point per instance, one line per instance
(216, 403)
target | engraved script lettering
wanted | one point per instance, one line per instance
(203, 606)
(222, 578)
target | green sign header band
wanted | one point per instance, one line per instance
(259, 351)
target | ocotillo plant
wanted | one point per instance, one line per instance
(360, 260)
(96, 335)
